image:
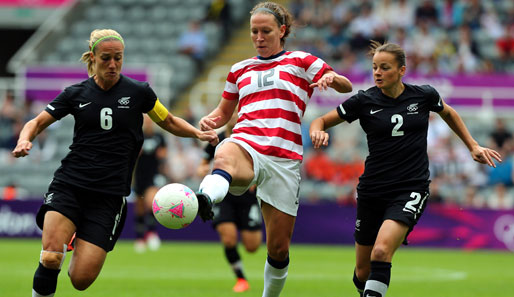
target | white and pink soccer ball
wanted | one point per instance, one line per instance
(175, 206)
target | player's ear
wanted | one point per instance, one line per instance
(402, 70)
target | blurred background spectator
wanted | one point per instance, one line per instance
(193, 42)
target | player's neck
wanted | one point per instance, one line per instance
(394, 91)
(105, 84)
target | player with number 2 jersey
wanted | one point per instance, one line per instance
(394, 188)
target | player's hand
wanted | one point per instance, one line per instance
(209, 136)
(22, 149)
(207, 123)
(319, 138)
(324, 82)
(485, 155)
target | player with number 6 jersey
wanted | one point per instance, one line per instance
(87, 194)
(394, 188)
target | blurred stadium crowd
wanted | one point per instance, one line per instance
(440, 37)
(445, 36)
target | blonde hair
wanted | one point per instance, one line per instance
(98, 35)
(282, 16)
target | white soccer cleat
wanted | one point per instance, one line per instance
(153, 241)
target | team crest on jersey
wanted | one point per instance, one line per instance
(48, 198)
(124, 101)
(413, 108)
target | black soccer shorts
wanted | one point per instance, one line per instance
(242, 210)
(99, 217)
(405, 207)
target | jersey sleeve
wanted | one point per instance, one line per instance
(231, 91)
(315, 67)
(60, 106)
(434, 99)
(149, 98)
(349, 109)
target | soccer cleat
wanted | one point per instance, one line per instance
(71, 244)
(241, 285)
(153, 241)
(204, 207)
(140, 246)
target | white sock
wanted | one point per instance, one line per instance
(375, 287)
(274, 280)
(216, 186)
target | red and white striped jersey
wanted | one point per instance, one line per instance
(273, 94)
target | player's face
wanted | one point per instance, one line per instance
(107, 60)
(386, 72)
(266, 34)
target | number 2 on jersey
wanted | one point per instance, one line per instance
(398, 119)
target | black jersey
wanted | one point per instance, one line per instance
(107, 135)
(148, 162)
(396, 131)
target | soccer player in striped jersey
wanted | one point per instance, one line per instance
(87, 194)
(265, 148)
(394, 188)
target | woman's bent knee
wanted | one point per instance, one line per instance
(83, 282)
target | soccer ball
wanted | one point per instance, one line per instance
(175, 206)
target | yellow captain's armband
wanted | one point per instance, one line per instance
(158, 112)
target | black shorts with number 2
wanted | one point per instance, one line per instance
(405, 207)
(99, 217)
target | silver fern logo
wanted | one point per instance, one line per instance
(124, 100)
(49, 197)
(413, 107)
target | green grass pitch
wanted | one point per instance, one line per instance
(188, 269)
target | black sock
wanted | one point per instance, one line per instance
(45, 280)
(234, 259)
(150, 222)
(278, 264)
(378, 280)
(358, 284)
(140, 227)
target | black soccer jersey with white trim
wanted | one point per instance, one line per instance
(107, 135)
(396, 131)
